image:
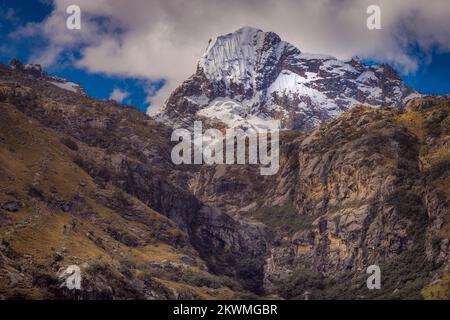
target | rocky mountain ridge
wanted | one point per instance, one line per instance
(36, 71)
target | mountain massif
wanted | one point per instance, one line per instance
(249, 78)
(91, 183)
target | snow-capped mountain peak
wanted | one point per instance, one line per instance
(270, 79)
(237, 56)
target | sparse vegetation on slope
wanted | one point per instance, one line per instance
(91, 183)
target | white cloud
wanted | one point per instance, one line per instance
(163, 39)
(119, 95)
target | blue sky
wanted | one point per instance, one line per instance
(432, 76)
(14, 14)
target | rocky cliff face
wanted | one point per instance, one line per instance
(91, 183)
(351, 194)
(250, 78)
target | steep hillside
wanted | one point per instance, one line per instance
(68, 195)
(54, 214)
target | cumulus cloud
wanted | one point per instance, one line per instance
(163, 39)
(119, 95)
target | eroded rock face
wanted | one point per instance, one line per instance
(351, 194)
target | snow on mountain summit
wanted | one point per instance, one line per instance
(269, 79)
(236, 57)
